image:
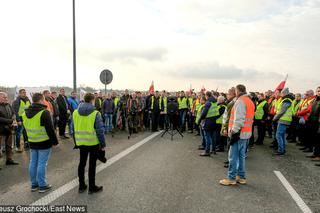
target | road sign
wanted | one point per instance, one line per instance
(106, 77)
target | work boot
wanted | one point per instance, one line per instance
(11, 162)
(227, 182)
(95, 189)
(83, 188)
(241, 181)
(317, 164)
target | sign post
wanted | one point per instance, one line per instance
(106, 78)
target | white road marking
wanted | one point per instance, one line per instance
(302, 205)
(74, 183)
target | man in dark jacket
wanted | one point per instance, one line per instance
(41, 136)
(88, 133)
(156, 106)
(314, 119)
(19, 105)
(52, 98)
(107, 111)
(64, 109)
(7, 123)
(98, 101)
(260, 117)
(209, 114)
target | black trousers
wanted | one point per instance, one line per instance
(261, 126)
(62, 123)
(155, 120)
(84, 152)
(316, 139)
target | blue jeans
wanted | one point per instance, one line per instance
(209, 138)
(38, 166)
(237, 163)
(108, 122)
(281, 137)
(202, 137)
(18, 135)
(183, 114)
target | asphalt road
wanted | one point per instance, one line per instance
(169, 176)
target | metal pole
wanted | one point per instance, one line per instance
(74, 48)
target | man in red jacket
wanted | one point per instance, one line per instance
(304, 125)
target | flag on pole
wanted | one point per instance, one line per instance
(82, 93)
(151, 88)
(203, 89)
(282, 84)
(191, 91)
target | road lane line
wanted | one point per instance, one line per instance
(302, 205)
(74, 183)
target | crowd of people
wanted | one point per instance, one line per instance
(223, 120)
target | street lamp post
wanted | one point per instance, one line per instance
(74, 48)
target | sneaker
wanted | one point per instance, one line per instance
(241, 181)
(95, 189)
(45, 189)
(227, 182)
(82, 188)
(19, 150)
(315, 159)
(34, 188)
(205, 154)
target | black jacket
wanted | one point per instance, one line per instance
(6, 119)
(315, 113)
(45, 121)
(64, 106)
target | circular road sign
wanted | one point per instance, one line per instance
(106, 77)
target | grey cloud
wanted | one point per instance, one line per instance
(218, 72)
(150, 54)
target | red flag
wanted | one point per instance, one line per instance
(151, 88)
(282, 84)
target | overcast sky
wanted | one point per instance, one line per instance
(211, 43)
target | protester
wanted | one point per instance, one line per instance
(293, 129)
(260, 117)
(107, 111)
(284, 118)
(163, 120)
(156, 106)
(304, 125)
(220, 142)
(314, 119)
(64, 113)
(52, 98)
(21, 103)
(226, 117)
(98, 101)
(7, 125)
(209, 114)
(200, 123)
(183, 109)
(41, 136)
(142, 106)
(240, 130)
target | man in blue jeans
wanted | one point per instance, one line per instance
(107, 111)
(240, 131)
(209, 116)
(284, 113)
(19, 105)
(41, 137)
